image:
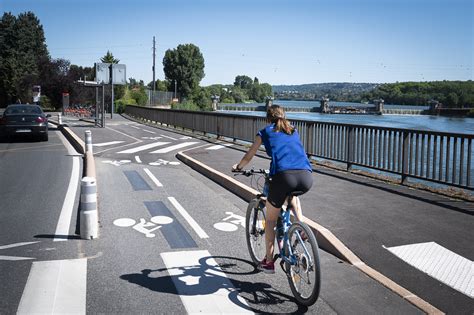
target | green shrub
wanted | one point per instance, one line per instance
(45, 102)
(120, 105)
(186, 105)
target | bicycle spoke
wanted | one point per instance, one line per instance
(304, 270)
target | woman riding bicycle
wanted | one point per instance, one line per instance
(290, 171)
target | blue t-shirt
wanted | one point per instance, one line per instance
(286, 150)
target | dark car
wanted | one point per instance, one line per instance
(24, 119)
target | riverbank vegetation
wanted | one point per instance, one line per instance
(451, 94)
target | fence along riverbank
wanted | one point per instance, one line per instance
(438, 157)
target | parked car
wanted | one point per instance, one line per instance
(24, 119)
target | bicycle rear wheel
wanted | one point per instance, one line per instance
(305, 275)
(255, 231)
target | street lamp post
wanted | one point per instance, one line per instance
(175, 88)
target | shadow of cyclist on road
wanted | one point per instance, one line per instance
(208, 278)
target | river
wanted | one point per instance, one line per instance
(421, 122)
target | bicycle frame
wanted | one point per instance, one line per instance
(285, 216)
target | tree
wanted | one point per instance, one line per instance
(22, 47)
(185, 64)
(243, 81)
(55, 79)
(259, 92)
(109, 58)
(160, 85)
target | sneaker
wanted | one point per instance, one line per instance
(267, 266)
(303, 236)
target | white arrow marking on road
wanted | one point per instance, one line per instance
(174, 147)
(106, 143)
(144, 147)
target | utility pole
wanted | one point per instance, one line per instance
(154, 84)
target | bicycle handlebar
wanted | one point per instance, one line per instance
(250, 172)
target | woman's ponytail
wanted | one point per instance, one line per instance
(276, 115)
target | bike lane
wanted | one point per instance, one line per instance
(153, 282)
(151, 257)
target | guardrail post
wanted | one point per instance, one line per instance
(88, 136)
(349, 147)
(405, 157)
(88, 209)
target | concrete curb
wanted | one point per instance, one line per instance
(326, 239)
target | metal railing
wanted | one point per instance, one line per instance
(439, 157)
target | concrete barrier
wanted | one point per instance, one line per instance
(89, 226)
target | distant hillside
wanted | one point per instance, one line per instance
(343, 92)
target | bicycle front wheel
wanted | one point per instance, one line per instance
(255, 231)
(304, 273)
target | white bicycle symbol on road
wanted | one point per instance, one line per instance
(143, 226)
(234, 221)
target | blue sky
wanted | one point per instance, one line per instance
(278, 41)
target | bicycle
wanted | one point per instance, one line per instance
(297, 245)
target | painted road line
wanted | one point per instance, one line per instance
(219, 146)
(14, 258)
(64, 222)
(149, 131)
(106, 143)
(440, 263)
(17, 245)
(134, 127)
(136, 180)
(55, 287)
(199, 231)
(137, 158)
(175, 234)
(153, 178)
(143, 147)
(169, 137)
(201, 284)
(174, 147)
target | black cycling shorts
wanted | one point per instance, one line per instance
(286, 182)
